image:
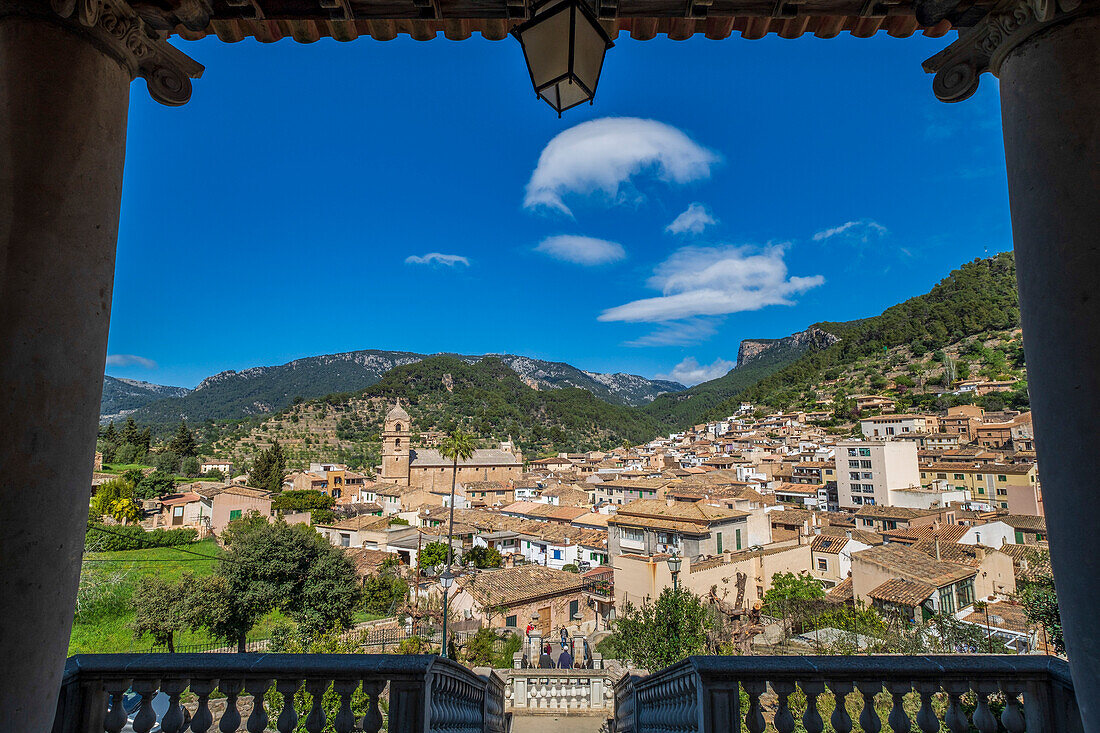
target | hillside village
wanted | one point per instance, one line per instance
(917, 514)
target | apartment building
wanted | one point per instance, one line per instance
(866, 471)
(1011, 486)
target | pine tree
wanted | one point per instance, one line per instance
(130, 432)
(111, 436)
(269, 469)
(183, 444)
(145, 439)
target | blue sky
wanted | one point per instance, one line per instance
(716, 191)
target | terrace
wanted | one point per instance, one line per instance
(64, 96)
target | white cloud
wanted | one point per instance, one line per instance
(678, 333)
(600, 156)
(437, 258)
(695, 219)
(863, 230)
(125, 360)
(712, 281)
(691, 372)
(581, 250)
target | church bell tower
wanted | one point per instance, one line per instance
(395, 446)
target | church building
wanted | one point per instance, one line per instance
(426, 468)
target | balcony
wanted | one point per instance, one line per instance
(421, 693)
(960, 693)
(985, 693)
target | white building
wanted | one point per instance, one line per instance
(887, 426)
(866, 471)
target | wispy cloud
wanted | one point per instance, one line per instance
(863, 231)
(690, 371)
(437, 258)
(125, 360)
(601, 156)
(712, 281)
(581, 250)
(678, 333)
(695, 219)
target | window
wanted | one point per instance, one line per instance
(941, 475)
(510, 621)
(633, 535)
(737, 538)
(960, 477)
(979, 477)
(1004, 505)
(397, 443)
(868, 523)
(719, 543)
(177, 511)
(864, 464)
(1002, 492)
(947, 600)
(865, 451)
(868, 488)
(981, 489)
(822, 564)
(852, 452)
(889, 431)
(964, 593)
(234, 514)
(557, 554)
(345, 540)
(857, 500)
(574, 609)
(1001, 477)
(853, 475)
(853, 464)
(868, 476)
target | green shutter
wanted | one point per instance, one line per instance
(234, 514)
(719, 543)
(737, 534)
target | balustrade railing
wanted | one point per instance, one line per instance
(423, 694)
(957, 693)
(564, 690)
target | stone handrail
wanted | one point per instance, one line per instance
(427, 694)
(581, 691)
(703, 694)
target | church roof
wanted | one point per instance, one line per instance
(397, 413)
(431, 458)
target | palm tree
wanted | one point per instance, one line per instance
(456, 446)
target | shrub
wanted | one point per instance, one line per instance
(131, 537)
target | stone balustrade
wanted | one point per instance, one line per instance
(425, 693)
(961, 693)
(580, 691)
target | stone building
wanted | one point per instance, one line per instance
(426, 468)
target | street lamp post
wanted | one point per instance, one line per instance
(445, 580)
(674, 567)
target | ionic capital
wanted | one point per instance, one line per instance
(116, 29)
(984, 47)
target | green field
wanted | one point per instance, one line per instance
(103, 622)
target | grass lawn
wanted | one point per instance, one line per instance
(121, 467)
(103, 625)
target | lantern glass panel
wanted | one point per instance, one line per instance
(546, 45)
(564, 95)
(588, 51)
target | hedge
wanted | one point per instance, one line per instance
(132, 537)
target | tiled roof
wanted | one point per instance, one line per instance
(879, 511)
(236, 490)
(828, 544)
(842, 592)
(971, 555)
(910, 564)
(1025, 522)
(903, 592)
(359, 523)
(430, 457)
(513, 586)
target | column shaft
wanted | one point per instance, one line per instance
(1050, 103)
(63, 105)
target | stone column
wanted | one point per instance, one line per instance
(64, 92)
(1047, 57)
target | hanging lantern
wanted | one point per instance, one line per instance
(564, 45)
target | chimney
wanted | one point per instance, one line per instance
(848, 533)
(937, 549)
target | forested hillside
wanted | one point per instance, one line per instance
(486, 398)
(975, 300)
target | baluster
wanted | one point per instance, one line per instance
(172, 722)
(783, 720)
(956, 718)
(372, 720)
(231, 718)
(868, 717)
(1012, 718)
(315, 721)
(754, 717)
(898, 720)
(257, 720)
(811, 719)
(840, 719)
(926, 716)
(146, 717)
(116, 716)
(344, 721)
(203, 719)
(288, 718)
(984, 720)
